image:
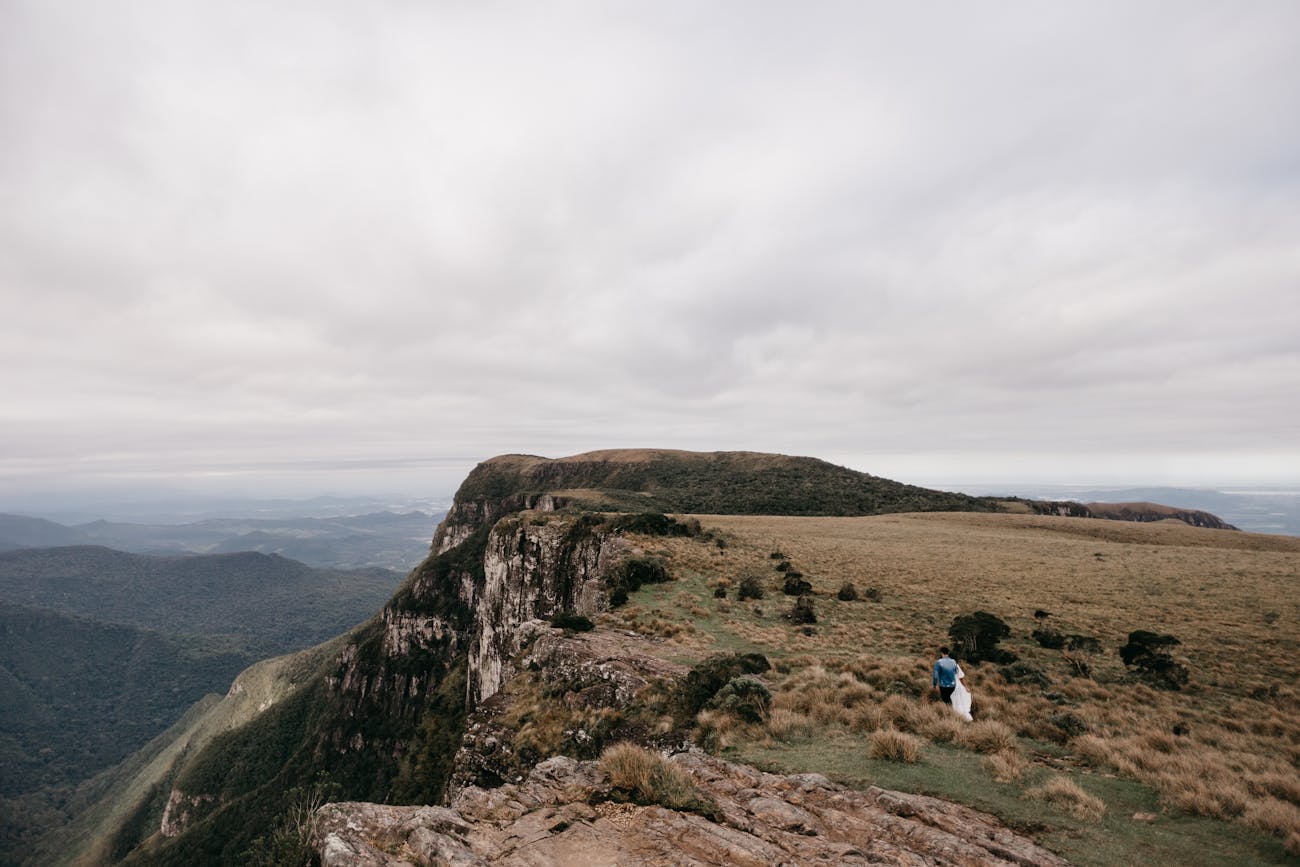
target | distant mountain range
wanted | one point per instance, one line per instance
(388, 540)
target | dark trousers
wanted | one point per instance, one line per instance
(945, 693)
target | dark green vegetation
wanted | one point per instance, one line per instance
(102, 650)
(81, 695)
(975, 638)
(386, 540)
(1145, 652)
(706, 679)
(269, 603)
(722, 483)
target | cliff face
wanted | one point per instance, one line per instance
(531, 570)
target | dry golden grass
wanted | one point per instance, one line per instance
(1226, 746)
(989, 736)
(1005, 766)
(894, 746)
(1066, 794)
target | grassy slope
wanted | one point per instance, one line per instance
(1225, 595)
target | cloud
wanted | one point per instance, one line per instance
(287, 235)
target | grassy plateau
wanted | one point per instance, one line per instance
(1100, 766)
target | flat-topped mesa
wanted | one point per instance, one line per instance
(664, 480)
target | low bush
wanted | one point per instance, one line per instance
(751, 587)
(746, 698)
(802, 612)
(795, 585)
(872, 594)
(847, 593)
(1145, 653)
(707, 678)
(655, 524)
(570, 620)
(631, 574)
(1049, 638)
(975, 638)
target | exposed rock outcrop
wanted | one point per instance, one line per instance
(566, 814)
(583, 676)
(533, 569)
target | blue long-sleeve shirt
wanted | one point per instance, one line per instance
(945, 672)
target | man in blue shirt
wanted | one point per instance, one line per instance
(944, 677)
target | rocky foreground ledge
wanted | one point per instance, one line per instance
(564, 814)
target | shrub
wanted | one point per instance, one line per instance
(873, 594)
(631, 574)
(751, 587)
(777, 554)
(1079, 652)
(1065, 725)
(894, 746)
(707, 678)
(795, 586)
(847, 593)
(643, 777)
(1049, 638)
(1145, 653)
(655, 524)
(975, 637)
(746, 698)
(802, 612)
(1024, 674)
(719, 592)
(1066, 794)
(784, 566)
(570, 620)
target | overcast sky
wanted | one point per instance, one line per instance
(302, 246)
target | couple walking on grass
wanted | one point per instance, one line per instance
(947, 677)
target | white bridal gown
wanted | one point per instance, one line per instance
(961, 696)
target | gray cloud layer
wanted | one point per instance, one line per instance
(341, 244)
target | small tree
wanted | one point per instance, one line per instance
(975, 637)
(1145, 653)
(847, 593)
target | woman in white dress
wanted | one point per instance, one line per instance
(961, 696)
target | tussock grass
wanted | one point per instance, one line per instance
(894, 746)
(647, 778)
(1067, 795)
(1005, 766)
(989, 736)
